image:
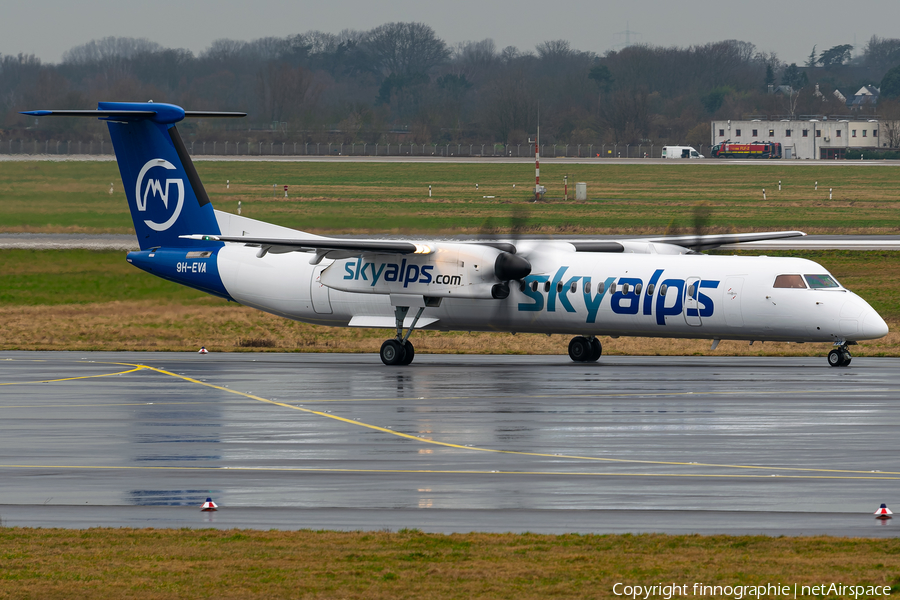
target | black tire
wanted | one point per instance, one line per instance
(392, 353)
(408, 353)
(596, 350)
(579, 349)
(835, 358)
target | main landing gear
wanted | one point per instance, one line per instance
(585, 349)
(399, 350)
(839, 357)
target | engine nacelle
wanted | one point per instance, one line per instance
(451, 270)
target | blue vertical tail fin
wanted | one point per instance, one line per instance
(164, 192)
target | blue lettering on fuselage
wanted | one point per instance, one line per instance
(403, 273)
(624, 299)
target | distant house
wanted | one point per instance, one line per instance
(783, 90)
(866, 97)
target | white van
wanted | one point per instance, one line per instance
(680, 152)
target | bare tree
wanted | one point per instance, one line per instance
(889, 120)
(881, 54)
(554, 50)
(405, 48)
(109, 50)
(508, 106)
(283, 90)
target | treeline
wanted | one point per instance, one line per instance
(400, 82)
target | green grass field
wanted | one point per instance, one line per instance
(393, 197)
(127, 563)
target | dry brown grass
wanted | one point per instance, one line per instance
(147, 563)
(149, 325)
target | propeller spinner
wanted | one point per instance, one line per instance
(508, 267)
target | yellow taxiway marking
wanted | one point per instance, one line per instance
(436, 471)
(423, 440)
(138, 368)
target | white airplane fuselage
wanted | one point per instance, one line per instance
(712, 297)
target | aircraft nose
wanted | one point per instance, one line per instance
(873, 326)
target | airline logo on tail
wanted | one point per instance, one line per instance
(148, 188)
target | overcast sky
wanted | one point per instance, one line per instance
(788, 27)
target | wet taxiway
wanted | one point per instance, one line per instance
(451, 443)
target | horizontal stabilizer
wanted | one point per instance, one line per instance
(125, 112)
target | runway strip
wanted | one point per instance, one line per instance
(496, 438)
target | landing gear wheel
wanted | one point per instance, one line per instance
(392, 353)
(839, 357)
(835, 358)
(580, 349)
(408, 353)
(596, 350)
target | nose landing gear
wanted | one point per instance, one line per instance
(839, 357)
(585, 349)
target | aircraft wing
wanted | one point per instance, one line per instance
(708, 242)
(323, 247)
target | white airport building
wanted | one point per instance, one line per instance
(816, 138)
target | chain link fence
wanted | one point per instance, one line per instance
(217, 148)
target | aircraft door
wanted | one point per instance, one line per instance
(319, 293)
(692, 302)
(732, 301)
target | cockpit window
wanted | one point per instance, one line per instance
(821, 281)
(789, 281)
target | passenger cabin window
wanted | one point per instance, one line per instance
(821, 281)
(587, 287)
(789, 281)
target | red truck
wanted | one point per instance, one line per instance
(752, 150)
